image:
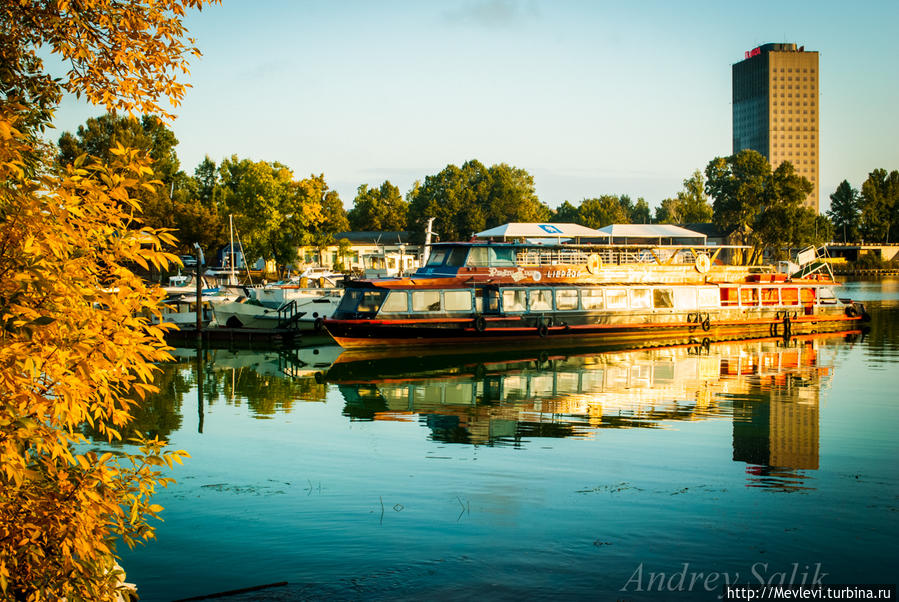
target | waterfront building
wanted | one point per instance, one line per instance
(775, 108)
(372, 254)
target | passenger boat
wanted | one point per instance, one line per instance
(558, 294)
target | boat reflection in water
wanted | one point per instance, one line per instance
(769, 388)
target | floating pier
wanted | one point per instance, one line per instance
(237, 338)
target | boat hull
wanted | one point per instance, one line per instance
(543, 333)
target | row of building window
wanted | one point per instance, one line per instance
(790, 70)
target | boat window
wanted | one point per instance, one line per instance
(396, 302)
(616, 298)
(541, 300)
(457, 300)
(789, 296)
(437, 256)
(728, 296)
(770, 296)
(477, 256)
(487, 300)
(566, 298)
(662, 298)
(425, 300)
(362, 301)
(640, 298)
(502, 256)
(514, 300)
(685, 298)
(457, 256)
(591, 298)
(708, 297)
(826, 296)
(749, 297)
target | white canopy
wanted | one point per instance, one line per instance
(554, 231)
(623, 233)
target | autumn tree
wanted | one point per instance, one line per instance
(879, 206)
(465, 200)
(380, 209)
(690, 206)
(639, 213)
(785, 222)
(199, 214)
(149, 135)
(603, 211)
(76, 345)
(274, 213)
(334, 216)
(843, 210)
(758, 207)
(565, 213)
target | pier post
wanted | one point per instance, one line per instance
(199, 279)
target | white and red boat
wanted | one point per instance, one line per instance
(548, 295)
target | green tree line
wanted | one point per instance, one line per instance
(276, 212)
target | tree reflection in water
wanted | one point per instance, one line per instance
(769, 389)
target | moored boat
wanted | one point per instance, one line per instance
(280, 305)
(547, 295)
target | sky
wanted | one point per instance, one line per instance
(590, 97)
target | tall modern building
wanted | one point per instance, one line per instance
(775, 100)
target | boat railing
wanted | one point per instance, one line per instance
(616, 255)
(288, 314)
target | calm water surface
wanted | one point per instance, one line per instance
(601, 474)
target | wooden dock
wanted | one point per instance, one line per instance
(872, 272)
(236, 338)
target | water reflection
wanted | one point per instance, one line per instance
(770, 389)
(268, 382)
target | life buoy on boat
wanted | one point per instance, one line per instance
(594, 263)
(480, 323)
(703, 263)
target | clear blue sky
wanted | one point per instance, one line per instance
(590, 97)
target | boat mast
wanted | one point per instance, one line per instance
(231, 279)
(428, 233)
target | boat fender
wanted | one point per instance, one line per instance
(594, 263)
(851, 311)
(480, 323)
(706, 324)
(787, 327)
(318, 324)
(542, 330)
(703, 263)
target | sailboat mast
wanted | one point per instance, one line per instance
(231, 277)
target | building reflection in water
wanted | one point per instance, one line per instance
(769, 388)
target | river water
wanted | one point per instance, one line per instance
(645, 474)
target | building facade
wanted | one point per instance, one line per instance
(775, 108)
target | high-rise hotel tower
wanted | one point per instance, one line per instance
(775, 99)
